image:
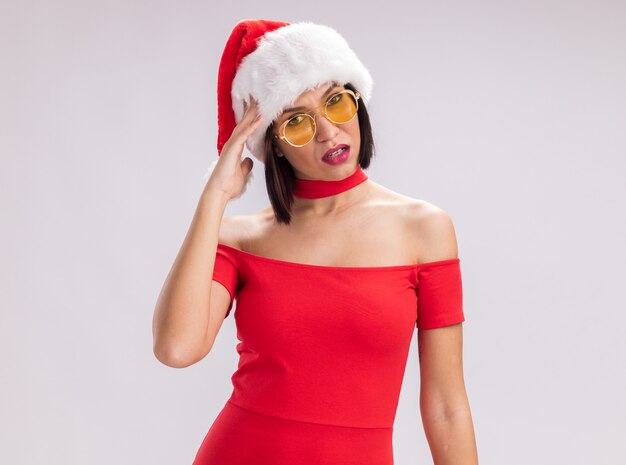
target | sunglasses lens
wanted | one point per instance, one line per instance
(340, 108)
(299, 130)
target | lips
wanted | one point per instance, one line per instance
(334, 149)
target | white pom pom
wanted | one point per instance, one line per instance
(245, 185)
(207, 175)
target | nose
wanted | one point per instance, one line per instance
(326, 129)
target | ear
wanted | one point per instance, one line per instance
(276, 149)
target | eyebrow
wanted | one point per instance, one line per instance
(333, 85)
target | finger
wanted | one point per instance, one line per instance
(252, 118)
(243, 130)
(246, 165)
(246, 114)
(249, 129)
(253, 107)
(257, 120)
(249, 105)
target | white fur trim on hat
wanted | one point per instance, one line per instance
(211, 168)
(288, 61)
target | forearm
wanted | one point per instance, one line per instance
(451, 437)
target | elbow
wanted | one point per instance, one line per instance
(439, 405)
(444, 411)
(163, 356)
(177, 349)
(175, 358)
(166, 356)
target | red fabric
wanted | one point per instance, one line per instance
(317, 188)
(440, 293)
(239, 436)
(243, 40)
(323, 352)
(226, 271)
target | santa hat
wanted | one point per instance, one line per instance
(274, 62)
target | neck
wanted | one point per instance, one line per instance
(326, 196)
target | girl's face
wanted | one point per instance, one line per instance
(306, 161)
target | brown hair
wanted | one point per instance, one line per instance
(279, 175)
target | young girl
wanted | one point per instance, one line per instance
(331, 279)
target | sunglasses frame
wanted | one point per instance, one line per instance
(281, 129)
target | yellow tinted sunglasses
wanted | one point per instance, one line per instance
(300, 129)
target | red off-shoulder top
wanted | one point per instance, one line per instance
(328, 344)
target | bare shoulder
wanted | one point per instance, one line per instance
(237, 230)
(429, 227)
(229, 231)
(434, 228)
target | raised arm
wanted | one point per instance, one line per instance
(185, 322)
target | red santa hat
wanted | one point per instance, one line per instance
(274, 62)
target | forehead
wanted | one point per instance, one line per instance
(312, 96)
(317, 91)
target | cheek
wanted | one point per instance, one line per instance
(355, 131)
